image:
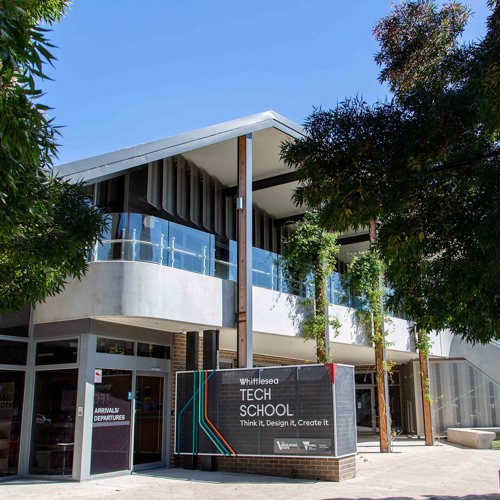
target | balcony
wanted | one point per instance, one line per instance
(143, 238)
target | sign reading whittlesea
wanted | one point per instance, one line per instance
(276, 411)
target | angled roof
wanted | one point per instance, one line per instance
(110, 164)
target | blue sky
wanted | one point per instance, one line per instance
(132, 71)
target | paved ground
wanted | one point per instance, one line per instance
(412, 471)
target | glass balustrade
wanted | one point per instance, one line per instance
(145, 238)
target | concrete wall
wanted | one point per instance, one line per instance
(143, 290)
(138, 289)
(485, 357)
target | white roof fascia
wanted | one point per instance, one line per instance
(109, 164)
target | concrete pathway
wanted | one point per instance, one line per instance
(412, 471)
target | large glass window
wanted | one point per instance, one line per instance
(11, 409)
(111, 425)
(57, 352)
(54, 422)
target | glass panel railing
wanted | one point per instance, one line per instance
(265, 269)
(190, 249)
(225, 259)
(145, 238)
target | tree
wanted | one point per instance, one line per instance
(310, 256)
(47, 223)
(425, 165)
(364, 280)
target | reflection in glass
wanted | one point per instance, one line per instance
(111, 422)
(148, 420)
(265, 270)
(54, 422)
(11, 408)
(115, 346)
(57, 352)
(190, 249)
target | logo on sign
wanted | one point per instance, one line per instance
(98, 376)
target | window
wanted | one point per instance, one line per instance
(225, 364)
(115, 346)
(363, 378)
(57, 352)
(153, 351)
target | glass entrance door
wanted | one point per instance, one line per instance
(111, 425)
(149, 420)
(11, 409)
(365, 409)
(54, 422)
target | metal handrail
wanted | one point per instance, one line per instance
(172, 249)
(207, 257)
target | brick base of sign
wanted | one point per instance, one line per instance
(325, 469)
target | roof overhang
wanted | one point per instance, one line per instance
(108, 165)
(214, 149)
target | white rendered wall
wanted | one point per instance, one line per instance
(138, 289)
(143, 290)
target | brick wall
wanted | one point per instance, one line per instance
(326, 469)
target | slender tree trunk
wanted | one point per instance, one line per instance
(383, 407)
(321, 303)
(424, 382)
(383, 404)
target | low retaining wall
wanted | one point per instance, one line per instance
(471, 438)
(326, 469)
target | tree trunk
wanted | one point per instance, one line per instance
(320, 307)
(424, 382)
(383, 407)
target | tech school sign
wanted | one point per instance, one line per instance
(306, 410)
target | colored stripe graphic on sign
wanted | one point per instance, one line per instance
(200, 419)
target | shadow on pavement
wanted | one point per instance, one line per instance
(484, 496)
(220, 477)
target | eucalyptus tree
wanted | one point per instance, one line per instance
(424, 164)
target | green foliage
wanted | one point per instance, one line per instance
(419, 44)
(422, 340)
(310, 256)
(310, 249)
(425, 165)
(47, 223)
(364, 280)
